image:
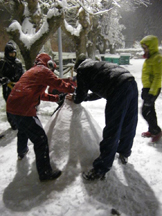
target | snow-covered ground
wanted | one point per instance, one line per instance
(74, 132)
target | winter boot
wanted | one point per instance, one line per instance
(49, 175)
(156, 138)
(123, 159)
(22, 155)
(146, 134)
(94, 174)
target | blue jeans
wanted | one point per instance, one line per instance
(29, 127)
(121, 114)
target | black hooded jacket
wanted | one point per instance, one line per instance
(101, 78)
(10, 66)
(12, 70)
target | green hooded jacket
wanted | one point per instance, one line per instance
(152, 67)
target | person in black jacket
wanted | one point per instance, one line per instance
(10, 72)
(119, 88)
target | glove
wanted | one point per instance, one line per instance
(4, 80)
(149, 100)
(61, 98)
(144, 93)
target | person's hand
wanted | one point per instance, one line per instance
(69, 97)
(62, 96)
(61, 99)
(149, 101)
(4, 80)
(70, 78)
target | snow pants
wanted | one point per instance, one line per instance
(30, 128)
(149, 114)
(121, 115)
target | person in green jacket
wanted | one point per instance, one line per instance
(151, 80)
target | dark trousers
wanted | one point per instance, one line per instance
(6, 92)
(31, 128)
(149, 114)
(121, 114)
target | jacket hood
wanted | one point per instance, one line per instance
(79, 60)
(10, 48)
(151, 42)
(42, 59)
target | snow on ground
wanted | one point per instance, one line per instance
(74, 133)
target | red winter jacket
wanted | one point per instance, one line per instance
(30, 89)
(67, 80)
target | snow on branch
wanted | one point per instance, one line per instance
(72, 30)
(143, 2)
(27, 39)
(91, 13)
(115, 3)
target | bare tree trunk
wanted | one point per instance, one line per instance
(93, 36)
(80, 44)
(33, 7)
(80, 40)
(112, 48)
(101, 44)
(18, 11)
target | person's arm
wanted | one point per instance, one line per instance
(4, 80)
(57, 83)
(81, 91)
(92, 97)
(71, 80)
(157, 76)
(19, 70)
(2, 64)
(49, 97)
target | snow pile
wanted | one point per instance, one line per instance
(73, 137)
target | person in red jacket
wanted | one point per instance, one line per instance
(22, 107)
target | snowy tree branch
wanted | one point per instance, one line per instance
(115, 3)
(91, 13)
(30, 44)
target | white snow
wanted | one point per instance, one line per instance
(27, 33)
(28, 38)
(74, 133)
(72, 30)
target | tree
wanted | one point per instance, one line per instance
(150, 22)
(31, 23)
(92, 17)
(111, 35)
(85, 30)
(31, 27)
(112, 30)
(78, 34)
